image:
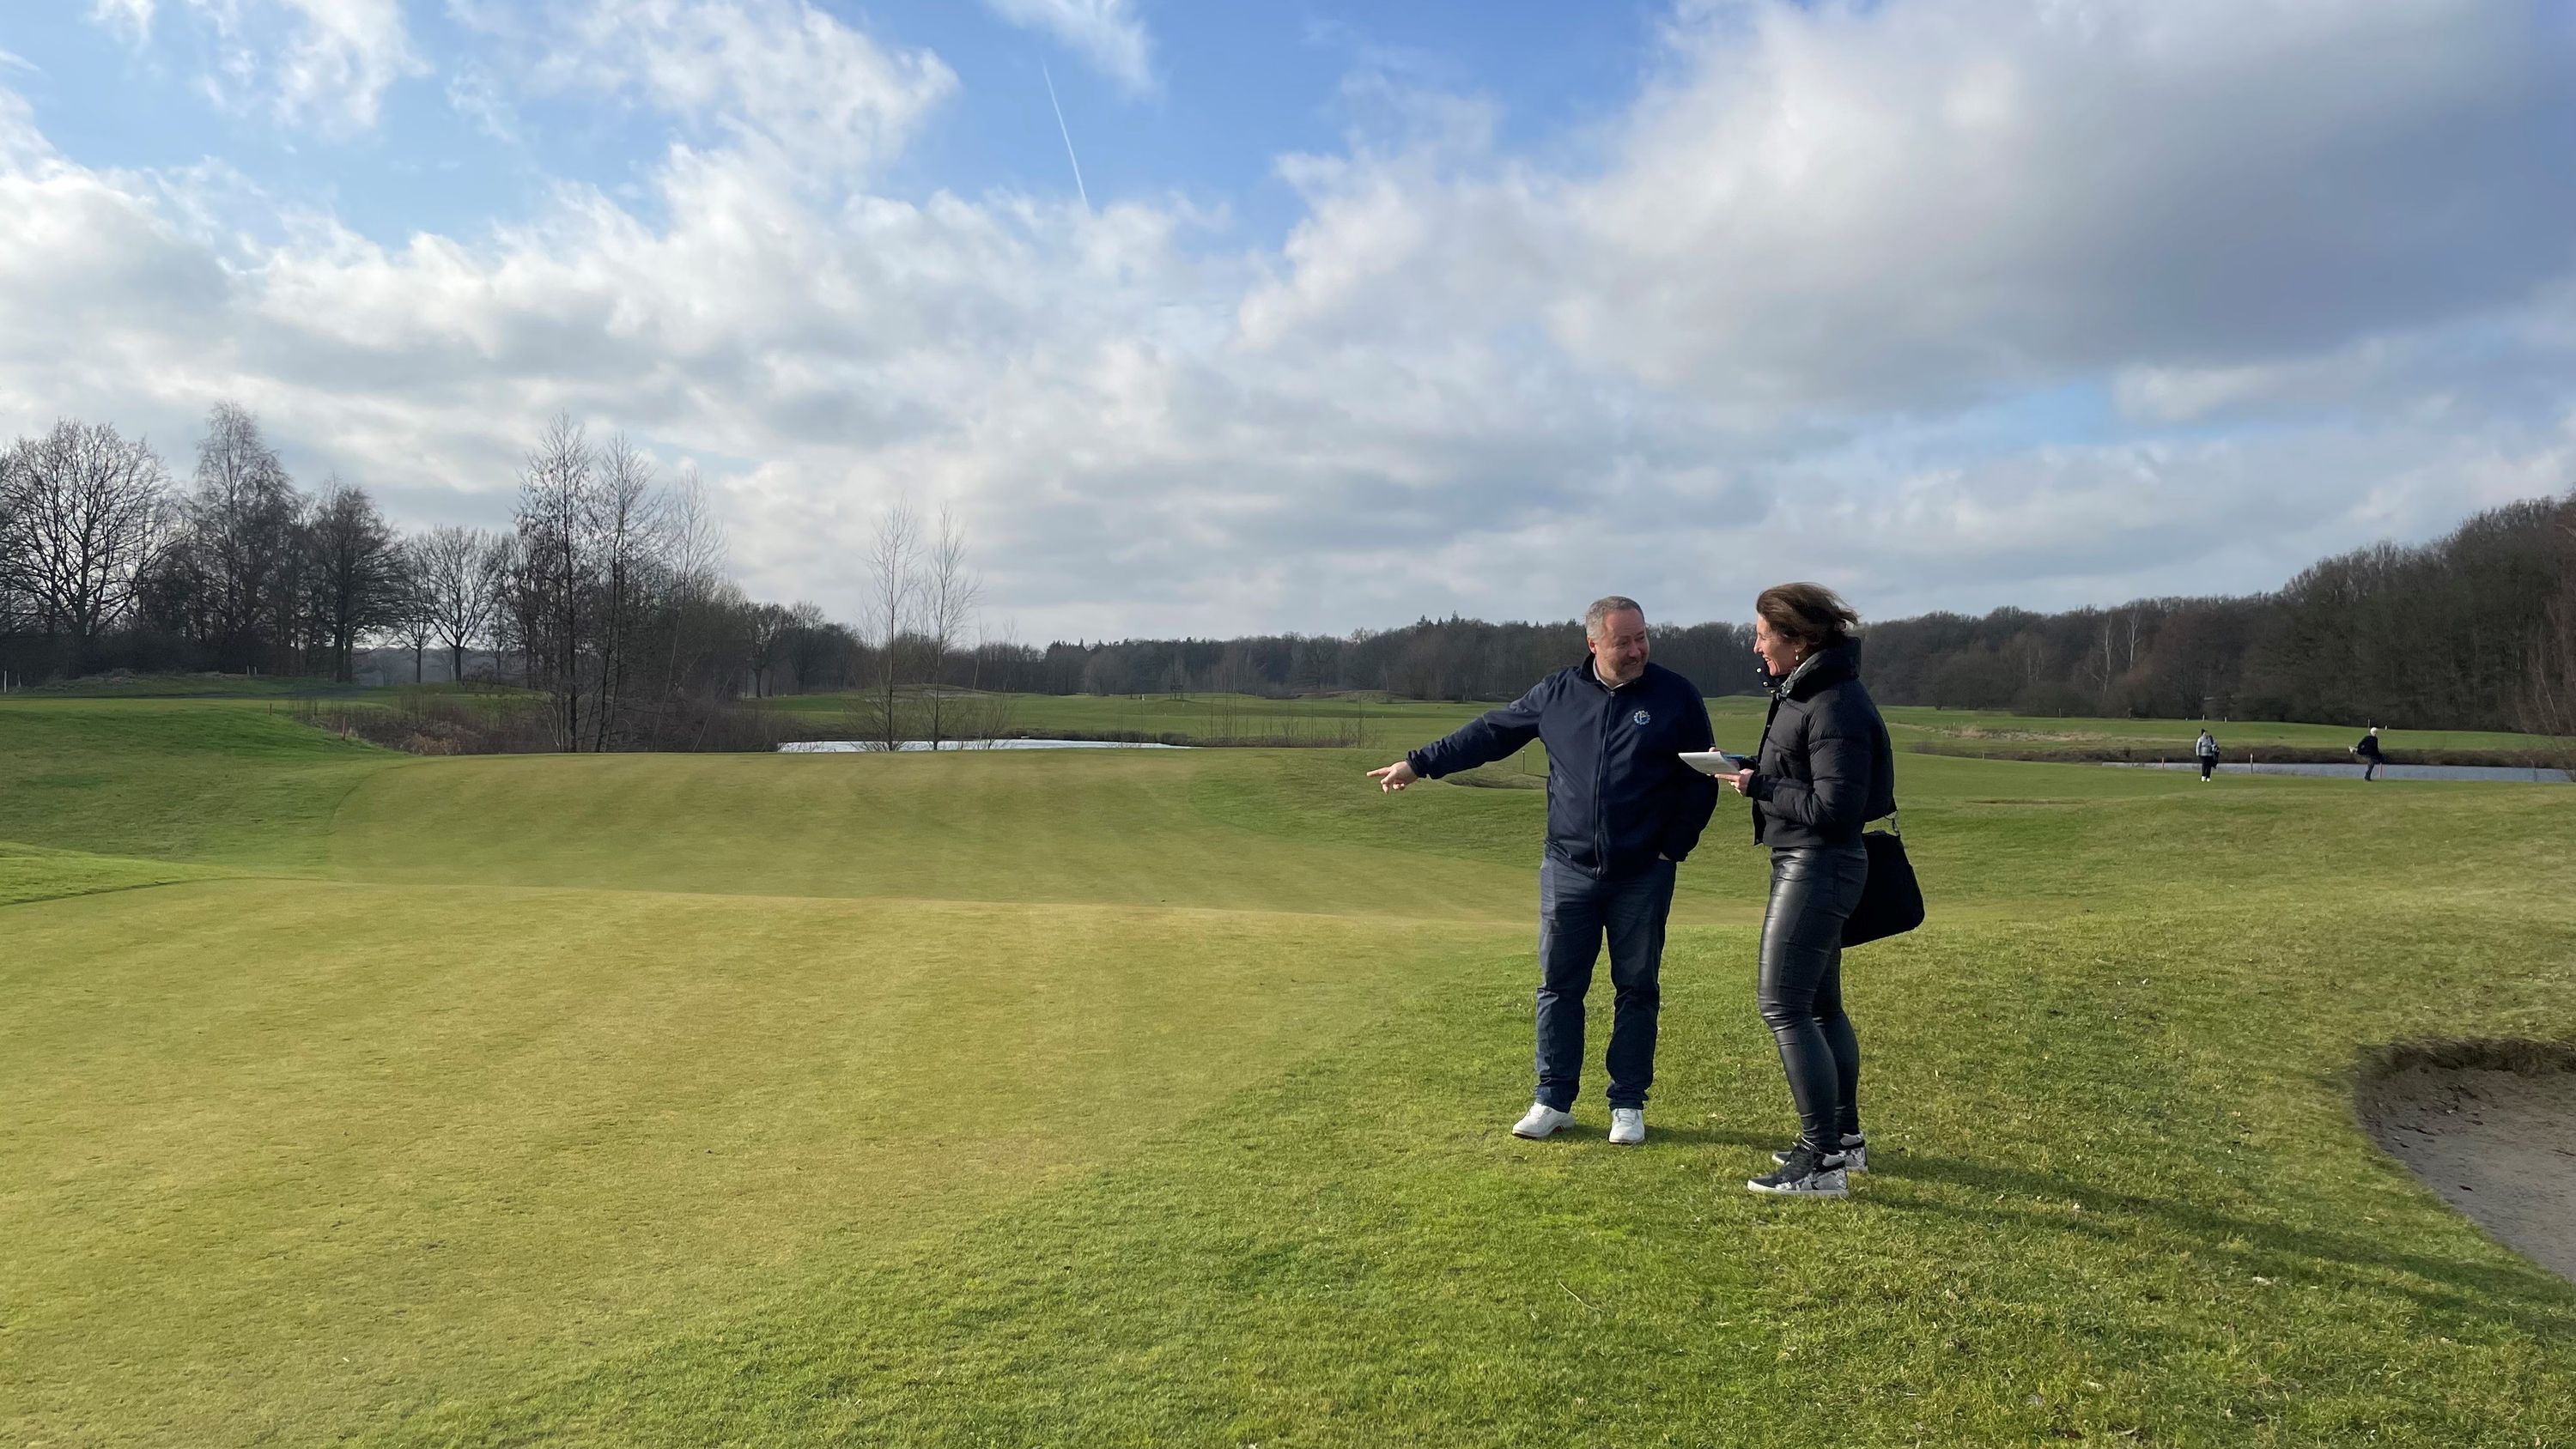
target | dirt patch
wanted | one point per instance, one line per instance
(2491, 1126)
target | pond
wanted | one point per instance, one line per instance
(852, 747)
(2501, 774)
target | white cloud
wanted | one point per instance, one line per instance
(324, 63)
(1817, 310)
(1916, 204)
(342, 56)
(778, 75)
(131, 18)
(1107, 33)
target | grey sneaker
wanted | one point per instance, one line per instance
(1627, 1126)
(1542, 1121)
(1803, 1175)
(1853, 1155)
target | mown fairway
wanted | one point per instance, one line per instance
(1159, 1098)
(1400, 724)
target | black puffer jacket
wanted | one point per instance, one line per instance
(1826, 767)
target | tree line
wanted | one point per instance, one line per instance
(2459, 633)
(105, 563)
(2476, 630)
(609, 598)
(608, 595)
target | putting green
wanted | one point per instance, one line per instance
(1157, 1098)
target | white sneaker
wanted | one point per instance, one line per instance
(1543, 1120)
(1627, 1126)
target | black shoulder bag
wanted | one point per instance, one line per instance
(1891, 903)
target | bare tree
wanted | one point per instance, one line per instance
(701, 608)
(515, 627)
(17, 552)
(460, 576)
(769, 624)
(242, 521)
(87, 511)
(630, 527)
(949, 596)
(355, 571)
(416, 614)
(893, 595)
(2549, 693)
(559, 573)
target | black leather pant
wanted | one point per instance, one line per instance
(1801, 990)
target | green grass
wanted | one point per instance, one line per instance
(1987, 732)
(1157, 1098)
(185, 686)
(1368, 723)
(1396, 725)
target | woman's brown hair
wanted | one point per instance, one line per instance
(1808, 614)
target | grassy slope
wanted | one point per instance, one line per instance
(650, 1101)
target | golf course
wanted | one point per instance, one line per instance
(1159, 1097)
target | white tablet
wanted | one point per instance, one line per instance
(1716, 762)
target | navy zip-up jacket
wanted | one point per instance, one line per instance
(1617, 796)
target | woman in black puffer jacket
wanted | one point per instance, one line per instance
(1825, 769)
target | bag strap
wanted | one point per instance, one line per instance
(1892, 829)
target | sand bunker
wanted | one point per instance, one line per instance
(2491, 1126)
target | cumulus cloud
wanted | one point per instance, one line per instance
(781, 75)
(326, 63)
(1957, 306)
(1914, 204)
(1868, 204)
(1107, 33)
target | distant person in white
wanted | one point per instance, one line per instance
(2207, 748)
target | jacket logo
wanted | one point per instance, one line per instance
(1642, 717)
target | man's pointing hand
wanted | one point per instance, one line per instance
(1394, 777)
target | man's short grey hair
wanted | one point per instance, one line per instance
(1605, 606)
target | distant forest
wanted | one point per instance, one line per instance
(609, 596)
(2475, 631)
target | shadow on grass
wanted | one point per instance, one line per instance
(2472, 1290)
(2447, 1284)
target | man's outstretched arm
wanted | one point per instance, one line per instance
(1497, 734)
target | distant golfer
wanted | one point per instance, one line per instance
(2207, 748)
(1825, 769)
(1622, 812)
(2368, 749)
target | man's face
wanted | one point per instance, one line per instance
(1619, 647)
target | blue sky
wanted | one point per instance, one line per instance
(1230, 88)
(1375, 311)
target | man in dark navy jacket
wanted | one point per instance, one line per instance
(1622, 812)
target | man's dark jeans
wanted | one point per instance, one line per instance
(1576, 911)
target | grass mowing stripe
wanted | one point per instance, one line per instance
(479, 1158)
(287, 1153)
(1101, 826)
(33, 873)
(175, 780)
(2065, 1239)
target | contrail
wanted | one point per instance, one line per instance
(1068, 138)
